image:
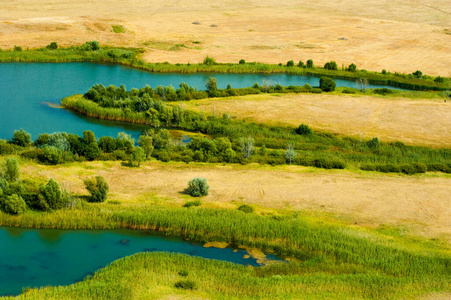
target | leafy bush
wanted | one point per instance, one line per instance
(303, 129)
(209, 61)
(185, 285)
(310, 63)
(21, 138)
(198, 187)
(290, 63)
(52, 155)
(192, 203)
(331, 65)
(246, 208)
(52, 195)
(242, 62)
(11, 170)
(327, 84)
(5, 148)
(373, 144)
(52, 46)
(98, 188)
(352, 68)
(13, 204)
(417, 74)
(17, 48)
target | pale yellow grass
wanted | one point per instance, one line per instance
(399, 35)
(417, 122)
(421, 204)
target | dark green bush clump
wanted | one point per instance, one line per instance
(246, 208)
(290, 63)
(383, 91)
(198, 187)
(98, 188)
(327, 84)
(52, 46)
(185, 285)
(13, 205)
(303, 129)
(331, 65)
(21, 138)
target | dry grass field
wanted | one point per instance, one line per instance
(419, 204)
(412, 121)
(401, 35)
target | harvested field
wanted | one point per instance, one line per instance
(414, 122)
(418, 204)
(400, 36)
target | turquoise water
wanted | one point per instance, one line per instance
(26, 88)
(40, 257)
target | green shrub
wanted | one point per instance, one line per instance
(185, 285)
(242, 62)
(198, 187)
(192, 203)
(290, 63)
(52, 155)
(246, 208)
(331, 65)
(209, 61)
(52, 195)
(13, 205)
(17, 48)
(327, 84)
(303, 129)
(352, 68)
(301, 64)
(373, 144)
(6, 148)
(21, 138)
(349, 91)
(310, 63)
(98, 188)
(52, 46)
(383, 91)
(417, 74)
(11, 170)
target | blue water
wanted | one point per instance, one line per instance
(40, 257)
(26, 87)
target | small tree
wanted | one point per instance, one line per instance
(21, 138)
(247, 146)
(301, 64)
(212, 86)
(137, 156)
(373, 144)
(310, 63)
(52, 155)
(98, 188)
(352, 68)
(417, 74)
(11, 170)
(362, 83)
(242, 62)
(13, 204)
(146, 143)
(95, 45)
(52, 46)
(198, 187)
(51, 194)
(290, 63)
(304, 130)
(209, 61)
(290, 153)
(327, 84)
(331, 65)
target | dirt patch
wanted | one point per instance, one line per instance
(398, 36)
(421, 204)
(417, 122)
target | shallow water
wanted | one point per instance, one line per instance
(40, 257)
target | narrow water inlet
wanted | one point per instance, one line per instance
(41, 257)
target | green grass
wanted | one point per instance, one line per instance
(332, 260)
(118, 28)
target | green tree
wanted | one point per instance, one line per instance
(290, 63)
(137, 156)
(52, 46)
(242, 62)
(352, 68)
(11, 170)
(52, 155)
(52, 195)
(417, 74)
(327, 84)
(331, 65)
(198, 187)
(98, 188)
(304, 130)
(212, 86)
(310, 63)
(90, 148)
(209, 61)
(21, 138)
(13, 204)
(146, 143)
